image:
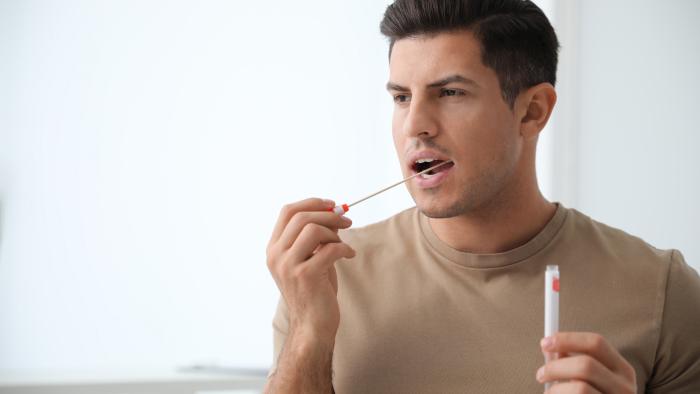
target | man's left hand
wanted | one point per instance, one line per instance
(587, 363)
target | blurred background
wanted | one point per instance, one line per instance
(146, 148)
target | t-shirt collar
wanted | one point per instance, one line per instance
(494, 260)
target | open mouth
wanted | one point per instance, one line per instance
(423, 164)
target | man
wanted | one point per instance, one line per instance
(447, 297)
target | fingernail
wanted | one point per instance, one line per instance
(547, 343)
(329, 203)
(346, 219)
(540, 373)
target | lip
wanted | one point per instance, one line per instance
(424, 154)
(434, 180)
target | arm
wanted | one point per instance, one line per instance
(304, 366)
(301, 255)
(677, 361)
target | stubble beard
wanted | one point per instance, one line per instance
(476, 197)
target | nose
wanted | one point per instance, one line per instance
(420, 121)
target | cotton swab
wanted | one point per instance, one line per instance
(341, 209)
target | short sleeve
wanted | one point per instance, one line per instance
(280, 329)
(677, 361)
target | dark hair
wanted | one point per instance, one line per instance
(517, 40)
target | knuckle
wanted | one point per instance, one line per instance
(275, 253)
(275, 266)
(279, 263)
(296, 219)
(333, 236)
(337, 246)
(300, 272)
(587, 367)
(325, 248)
(275, 271)
(341, 249)
(271, 253)
(304, 218)
(331, 249)
(312, 230)
(273, 262)
(348, 249)
(631, 378)
(279, 274)
(597, 342)
(286, 210)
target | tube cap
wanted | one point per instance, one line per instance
(341, 209)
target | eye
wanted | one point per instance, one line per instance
(451, 92)
(401, 98)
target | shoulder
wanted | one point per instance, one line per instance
(613, 243)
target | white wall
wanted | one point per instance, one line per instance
(638, 164)
(146, 150)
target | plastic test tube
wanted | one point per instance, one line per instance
(551, 307)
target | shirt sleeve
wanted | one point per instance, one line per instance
(677, 361)
(280, 329)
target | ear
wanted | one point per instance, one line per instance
(534, 106)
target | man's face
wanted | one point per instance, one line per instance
(449, 106)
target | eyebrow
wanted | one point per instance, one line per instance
(442, 82)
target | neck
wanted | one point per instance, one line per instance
(498, 227)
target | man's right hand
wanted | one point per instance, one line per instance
(300, 255)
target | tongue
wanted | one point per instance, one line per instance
(442, 167)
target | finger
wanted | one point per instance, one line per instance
(311, 236)
(572, 387)
(558, 354)
(584, 368)
(327, 255)
(330, 220)
(288, 211)
(550, 356)
(588, 343)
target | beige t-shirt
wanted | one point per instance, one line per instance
(420, 317)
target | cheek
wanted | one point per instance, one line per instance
(502, 153)
(469, 130)
(497, 144)
(483, 141)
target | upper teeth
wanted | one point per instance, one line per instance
(425, 160)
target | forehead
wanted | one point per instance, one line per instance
(427, 57)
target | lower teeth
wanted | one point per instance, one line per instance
(425, 175)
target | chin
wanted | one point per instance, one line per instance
(439, 210)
